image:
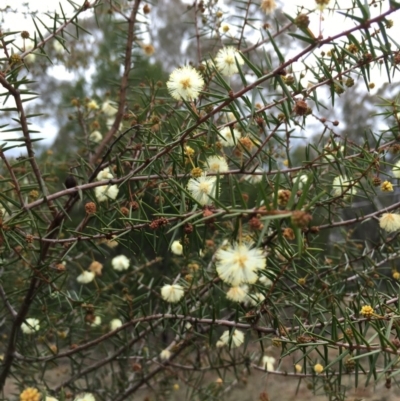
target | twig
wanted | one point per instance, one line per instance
(124, 82)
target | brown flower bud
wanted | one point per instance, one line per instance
(283, 197)
(124, 210)
(90, 208)
(188, 228)
(300, 108)
(255, 224)
(376, 181)
(288, 233)
(302, 21)
(134, 205)
(301, 219)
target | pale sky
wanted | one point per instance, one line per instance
(331, 24)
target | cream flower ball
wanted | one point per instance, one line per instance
(268, 363)
(300, 180)
(237, 294)
(105, 192)
(203, 189)
(185, 83)
(227, 60)
(228, 137)
(85, 277)
(238, 264)
(341, 184)
(96, 322)
(95, 137)
(92, 105)
(85, 397)
(396, 170)
(120, 263)
(115, 324)
(217, 164)
(30, 326)
(177, 248)
(390, 222)
(165, 354)
(109, 109)
(104, 174)
(268, 6)
(255, 178)
(172, 293)
(237, 338)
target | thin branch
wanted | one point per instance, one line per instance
(124, 82)
(4, 297)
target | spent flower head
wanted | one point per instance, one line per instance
(96, 268)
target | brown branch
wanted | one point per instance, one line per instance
(14, 179)
(86, 6)
(107, 360)
(15, 93)
(18, 320)
(124, 82)
(7, 303)
(244, 23)
(196, 25)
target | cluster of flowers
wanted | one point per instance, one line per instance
(33, 394)
(119, 263)
(236, 265)
(32, 325)
(186, 83)
(105, 192)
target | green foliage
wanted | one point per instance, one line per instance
(249, 226)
